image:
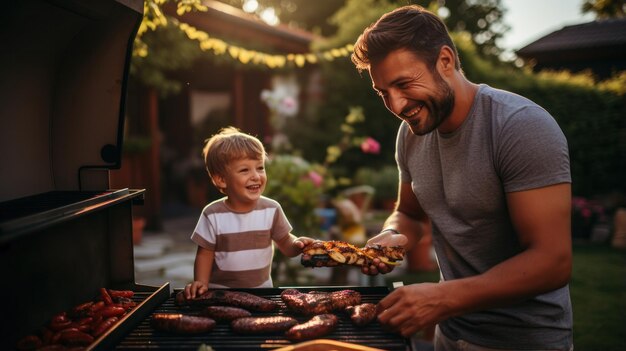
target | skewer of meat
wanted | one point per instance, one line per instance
(333, 253)
(316, 327)
(229, 298)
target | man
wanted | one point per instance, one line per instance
(490, 169)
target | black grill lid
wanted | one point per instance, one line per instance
(64, 66)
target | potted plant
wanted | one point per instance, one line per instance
(385, 184)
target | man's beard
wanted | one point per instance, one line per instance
(439, 108)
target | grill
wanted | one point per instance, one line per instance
(64, 233)
(143, 336)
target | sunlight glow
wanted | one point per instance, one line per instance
(250, 6)
(269, 16)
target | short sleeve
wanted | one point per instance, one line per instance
(532, 151)
(205, 232)
(404, 174)
(280, 226)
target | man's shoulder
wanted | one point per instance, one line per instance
(504, 97)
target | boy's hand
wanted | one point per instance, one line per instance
(194, 289)
(302, 241)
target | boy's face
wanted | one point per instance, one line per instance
(244, 181)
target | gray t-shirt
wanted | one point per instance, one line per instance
(507, 143)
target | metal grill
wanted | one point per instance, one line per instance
(143, 336)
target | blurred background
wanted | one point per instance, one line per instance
(280, 70)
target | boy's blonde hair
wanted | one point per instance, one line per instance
(227, 145)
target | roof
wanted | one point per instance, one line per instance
(610, 33)
(231, 23)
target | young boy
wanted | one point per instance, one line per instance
(235, 233)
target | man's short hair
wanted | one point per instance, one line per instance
(409, 27)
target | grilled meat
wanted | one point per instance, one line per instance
(260, 325)
(362, 314)
(229, 298)
(182, 324)
(333, 253)
(225, 313)
(316, 327)
(317, 302)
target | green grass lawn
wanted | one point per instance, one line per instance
(598, 291)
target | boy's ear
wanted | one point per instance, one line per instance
(219, 181)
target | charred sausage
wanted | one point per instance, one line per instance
(316, 327)
(225, 313)
(362, 314)
(260, 325)
(230, 298)
(182, 324)
(317, 302)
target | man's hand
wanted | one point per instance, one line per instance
(412, 308)
(194, 289)
(386, 238)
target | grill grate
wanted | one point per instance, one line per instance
(144, 337)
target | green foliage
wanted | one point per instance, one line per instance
(598, 292)
(170, 50)
(289, 183)
(605, 8)
(384, 180)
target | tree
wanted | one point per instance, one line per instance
(482, 18)
(310, 15)
(605, 8)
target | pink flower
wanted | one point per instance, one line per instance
(370, 146)
(316, 178)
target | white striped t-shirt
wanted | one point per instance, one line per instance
(242, 242)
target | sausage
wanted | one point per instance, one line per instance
(104, 326)
(104, 294)
(317, 302)
(75, 338)
(110, 311)
(317, 326)
(362, 314)
(121, 293)
(260, 325)
(96, 307)
(225, 313)
(182, 324)
(81, 310)
(230, 298)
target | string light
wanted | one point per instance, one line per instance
(245, 56)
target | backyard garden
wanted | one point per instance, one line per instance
(346, 140)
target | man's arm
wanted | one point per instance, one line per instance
(541, 218)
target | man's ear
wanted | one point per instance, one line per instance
(446, 60)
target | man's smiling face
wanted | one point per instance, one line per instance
(411, 91)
